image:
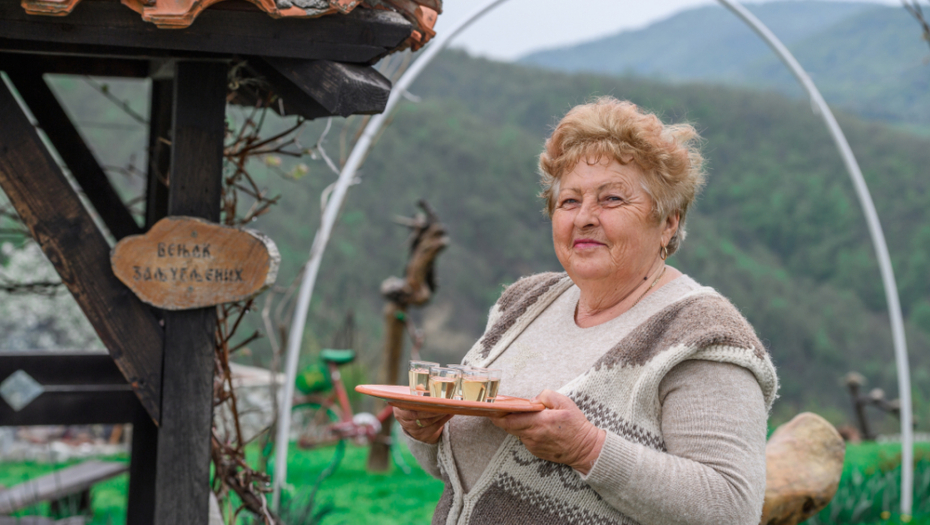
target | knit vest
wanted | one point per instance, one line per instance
(619, 394)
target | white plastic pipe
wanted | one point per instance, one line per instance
(878, 241)
(326, 227)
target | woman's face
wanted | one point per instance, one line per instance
(603, 226)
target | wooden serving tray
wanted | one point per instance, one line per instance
(400, 397)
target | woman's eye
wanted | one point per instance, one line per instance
(613, 199)
(568, 203)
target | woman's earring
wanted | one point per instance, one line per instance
(663, 253)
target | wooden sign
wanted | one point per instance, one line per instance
(186, 262)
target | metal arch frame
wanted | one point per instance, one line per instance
(359, 151)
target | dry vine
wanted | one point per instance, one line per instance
(913, 7)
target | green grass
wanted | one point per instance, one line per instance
(108, 499)
(868, 489)
(354, 495)
(358, 496)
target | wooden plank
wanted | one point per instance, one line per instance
(186, 262)
(63, 368)
(69, 238)
(340, 89)
(140, 505)
(59, 484)
(182, 487)
(54, 121)
(159, 151)
(360, 36)
(90, 405)
(77, 65)
(81, 389)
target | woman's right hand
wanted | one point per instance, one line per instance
(421, 426)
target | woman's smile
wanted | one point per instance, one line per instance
(586, 244)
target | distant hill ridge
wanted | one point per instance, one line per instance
(866, 58)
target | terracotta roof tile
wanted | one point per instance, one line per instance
(178, 14)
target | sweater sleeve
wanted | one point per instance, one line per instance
(714, 426)
(427, 455)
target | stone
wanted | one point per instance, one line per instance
(804, 462)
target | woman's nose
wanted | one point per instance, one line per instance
(588, 214)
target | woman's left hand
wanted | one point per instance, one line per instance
(561, 433)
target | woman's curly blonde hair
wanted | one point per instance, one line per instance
(608, 128)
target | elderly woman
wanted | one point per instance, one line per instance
(656, 389)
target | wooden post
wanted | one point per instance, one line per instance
(144, 453)
(415, 289)
(159, 152)
(182, 487)
(140, 507)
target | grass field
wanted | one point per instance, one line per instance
(354, 496)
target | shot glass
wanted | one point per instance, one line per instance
(475, 384)
(444, 381)
(494, 382)
(419, 377)
(458, 393)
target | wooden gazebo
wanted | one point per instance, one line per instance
(315, 55)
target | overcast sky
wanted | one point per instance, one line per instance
(521, 26)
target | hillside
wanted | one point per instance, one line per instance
(778, 229)
(865, 58)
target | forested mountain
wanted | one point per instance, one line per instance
(778, 229)
(866, 58)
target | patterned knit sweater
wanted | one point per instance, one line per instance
(618, 394)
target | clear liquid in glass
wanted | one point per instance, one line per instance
(475, 389)
(442, 388)
(419, 381)
(494, 385)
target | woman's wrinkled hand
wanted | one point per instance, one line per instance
(421, 426)
(561, 433)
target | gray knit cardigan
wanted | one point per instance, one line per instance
(619, 394)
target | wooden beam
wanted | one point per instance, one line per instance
(63, 368)
(182, 487)
(363, 35)
(81, 389)
(306, 86)
(70, 145)
(92, 405)
(65, 231)
(78, 65)
(159, 152)
(143, 464)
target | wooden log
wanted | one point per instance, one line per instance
(64, 482)
(363, 35)
(182, 487)
(315, 88)
(70, 145)
(69, 238)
